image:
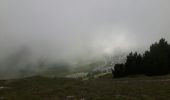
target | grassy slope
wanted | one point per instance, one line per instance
(38, 88)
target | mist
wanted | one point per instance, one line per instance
(79, 30)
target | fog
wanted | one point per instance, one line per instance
(71, 30)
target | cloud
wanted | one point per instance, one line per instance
(64, 29)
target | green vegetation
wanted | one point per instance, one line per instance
(103, 88)
(156, 61)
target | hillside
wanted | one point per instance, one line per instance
(105, 88)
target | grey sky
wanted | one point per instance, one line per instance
(65, 29)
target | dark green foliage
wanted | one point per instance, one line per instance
(153, 62)
(157, 60)
(119, 70)
(133, 64)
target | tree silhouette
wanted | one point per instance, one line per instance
(133, 64)
(156, 61)
(119, 71)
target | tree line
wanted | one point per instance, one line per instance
(155, 61)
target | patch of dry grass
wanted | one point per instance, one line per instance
(39, 88)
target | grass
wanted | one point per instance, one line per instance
(104, 88)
